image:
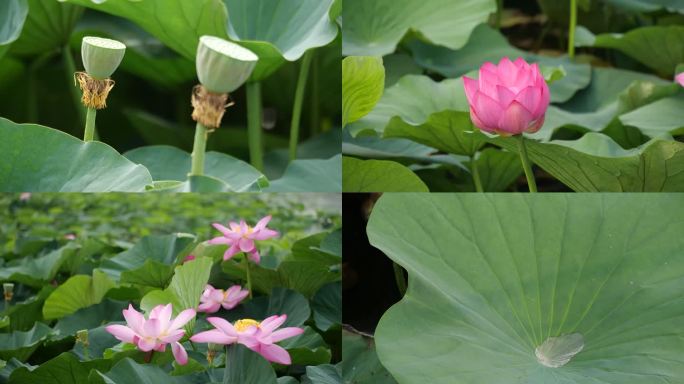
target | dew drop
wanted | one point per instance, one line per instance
(555, 352)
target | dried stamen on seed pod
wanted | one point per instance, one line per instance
(95, 91)
(209, 107)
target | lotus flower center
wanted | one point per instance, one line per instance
(243, 324)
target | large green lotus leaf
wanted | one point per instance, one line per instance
(360, 363)
(660, 117)
(492, 277)
(128, 371)
(37, 271)
(413, 98)
(79, 291)
(151, 260)
(310, 175)
(25, 314)
(379, 176)
(170, 163)
(658, 47)
(322, 374)
(448, 131)
(12, 17)
(42, 159)
(48, 26)
(455, 63)
(444, 22)
(243, 366)
(177, 23)
(20, 345)
(498, 170)
(595, 163)
(327, 306)
(307, 348)
(91, 317)
(63, 369)
(363, 81)
(648, 5)
(282, 32)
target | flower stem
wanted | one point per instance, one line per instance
(298, 101)
(70, 67)
(254, 124)
(148, 356)
(399, 278)
(526, 164)
(90, 125)
(314, 104)
(476, 175)
(198, 150)
(571, 28)
(249, 276)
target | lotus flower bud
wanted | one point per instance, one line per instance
(8, 290)
(82, 337)
(101, 56)
(222, 66)
(509, 98)
(680, 79)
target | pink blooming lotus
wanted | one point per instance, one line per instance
(212, 299)
(156, 331)
(680, 79)
(509, 98)
(259, 337)
(241, 238)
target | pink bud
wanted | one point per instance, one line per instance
(680, 79)
(188, 258)
(509, 98)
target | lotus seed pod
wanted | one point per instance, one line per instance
(223, 66)
(101, 56)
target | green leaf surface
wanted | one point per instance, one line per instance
(531, 267)
(310, 175)
(444, 22)
(665, 116)
(363, 81)
(63, 369)
(77, 292)
(12, 17)
(360, 364)
(243, 366)
(327, 306)
(42, 159)
(595, 163)
(48, 26)
(151, 260)
(379, 176)
(36, 271)
(170, 163)
(91, 317)
(20, 345)
(309, 348)
(322, 374)
(128, 371)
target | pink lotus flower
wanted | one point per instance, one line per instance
(212, 299)
(188, 258)
(25, 196)
(241, 238)
(259, 337)
(156, 331)
(509, 98)
(680, 79)
(70, 236)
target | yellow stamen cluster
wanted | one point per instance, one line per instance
(243, 324)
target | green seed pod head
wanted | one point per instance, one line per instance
(101, 56)
(223, 66)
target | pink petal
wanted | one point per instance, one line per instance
(152, 328)
(507, 71)
(147, 344)
(535, 125)
(219, 240)
(489, 67)
(230, 252)
(208, 307)
(182, 318)
(134, 318)
(470, 86)
(160, 348)
(163, 314)
(246, 245)
(276, 354)
(243, 226)
(221, 228)
(505, 95)
(285, 333)
(213, 336)
(521, 63)
(515, 119)
(121, 332)
(273, 322)
(262, 223)
(478, 123)
(488, 109)
(265, 234)
(235, 227)
(179, 353)
(254, 256)
(530, 98)
(173, 336)
(223, 326)
(680, 79)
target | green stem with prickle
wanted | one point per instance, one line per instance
(399, 278)
(571, 30)
(249, 275)
(198, 149)
(89, 133)
(254, 124)
(70, 67)
(298, 102)
(476, 175)
(526, 164)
